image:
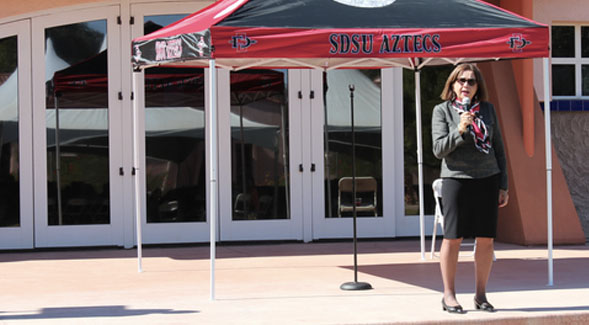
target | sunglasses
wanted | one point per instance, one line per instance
(471, 82)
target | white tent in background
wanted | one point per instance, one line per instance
(53, 62)
(367, 101)
(8, 99)
(76, 124)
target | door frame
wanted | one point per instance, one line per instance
(22, 236)
(82, 235)
(181, 232)
(282, 229)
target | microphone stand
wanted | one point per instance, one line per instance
(354, 285)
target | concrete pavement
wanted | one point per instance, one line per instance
(286, 283)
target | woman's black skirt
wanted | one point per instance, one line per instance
(470, 207)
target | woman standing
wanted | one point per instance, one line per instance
(467, 137)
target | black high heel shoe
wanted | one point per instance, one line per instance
(483, 305)
(452, 309)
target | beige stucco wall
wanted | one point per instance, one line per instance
(12, 8)
(19, 9)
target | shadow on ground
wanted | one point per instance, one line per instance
(89, 311)
(223, 250)
(237, 250)
(507, 274)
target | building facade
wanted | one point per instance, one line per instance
(570, 93)
(66, 164)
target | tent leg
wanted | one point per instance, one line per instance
(136, 176)
(212, 156)
(326, 145)
(419, 160)
(548, 167)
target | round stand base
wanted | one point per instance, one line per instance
(355, 286)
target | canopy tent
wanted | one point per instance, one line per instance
(332, 34)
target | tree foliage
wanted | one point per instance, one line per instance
(432, 83)
(8, 55)
(76, 42)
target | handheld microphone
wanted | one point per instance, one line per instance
(466, 103)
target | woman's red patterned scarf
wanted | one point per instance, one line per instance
(478, 129)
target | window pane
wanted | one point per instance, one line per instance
(432, 82)
(174, 139)
(174, 145)
(585, 76)
(585, 41)
(9, 171)
(563, 41)
(563, 79)
(77, 124)
(368, 143)
(259, 145)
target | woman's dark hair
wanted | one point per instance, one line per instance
(448, 92)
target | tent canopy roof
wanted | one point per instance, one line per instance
(393, 14)
(329, 34)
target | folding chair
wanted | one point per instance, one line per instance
(439, 219)
(365, 201)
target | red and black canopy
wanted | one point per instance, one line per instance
(329, 34)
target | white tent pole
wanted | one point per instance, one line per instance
(548, 167)
(212, 154)
(135, 175)
(419, 160)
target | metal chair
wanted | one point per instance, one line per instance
(365, 200)
(242, 205)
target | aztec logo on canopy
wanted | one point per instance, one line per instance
(517, 42)
(366, 3)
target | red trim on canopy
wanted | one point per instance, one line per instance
(395, 43)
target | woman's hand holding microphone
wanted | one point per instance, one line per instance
(466, 119)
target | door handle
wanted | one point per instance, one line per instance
(313, 167)
(121, 171)
(301, 168)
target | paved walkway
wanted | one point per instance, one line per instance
(285, 284)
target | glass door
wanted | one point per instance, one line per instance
(16, 213)
(334, 144)
(76, 120)
(172, 139)
(259, 130)
(408, 225)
